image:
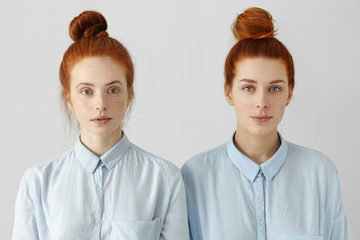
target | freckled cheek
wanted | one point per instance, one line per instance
(279, 100)
(81, 109)
(243, 104)
(82, 105)
(119, 105)
(118, 101)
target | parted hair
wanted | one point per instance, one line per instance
(88, 31)
(255, 34)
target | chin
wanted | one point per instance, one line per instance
(107, 132)
(263, 132)
(260, 130)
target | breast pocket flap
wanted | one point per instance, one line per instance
(136, 230)
(299, 237)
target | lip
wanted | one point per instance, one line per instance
(101, 120)
(261, 119)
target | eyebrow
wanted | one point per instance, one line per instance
(253, 81)
(90, 84)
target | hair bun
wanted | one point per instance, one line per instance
(254, 23)
(88, 24)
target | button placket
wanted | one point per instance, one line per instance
(99, 197)
(258, 185)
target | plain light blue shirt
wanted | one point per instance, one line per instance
(295, 195)
(127, 193)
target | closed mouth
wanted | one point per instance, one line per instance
(100, 118)
(261, 119)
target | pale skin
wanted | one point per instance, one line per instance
(259, 94)
(99, 98)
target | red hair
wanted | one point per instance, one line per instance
(254, 30)
(88, 30)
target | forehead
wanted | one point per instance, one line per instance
(97, 70)
(261, 69)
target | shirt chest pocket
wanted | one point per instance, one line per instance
(299, 237)
(136, 230)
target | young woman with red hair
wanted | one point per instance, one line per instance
(105, 187)
(258, 185)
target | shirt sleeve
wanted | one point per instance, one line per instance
(193, 214)
(25, 226)
(175, 225)
(340, 228)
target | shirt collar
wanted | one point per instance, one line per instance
(250, 169)
(90, 161)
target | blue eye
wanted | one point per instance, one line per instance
(86, 92)
(275, 89)
(113, 90)
(248, 89)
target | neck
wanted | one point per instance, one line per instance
(258, 148)
(99, 145)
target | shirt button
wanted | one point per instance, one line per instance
(259, 201)
(258, 179)
(98, 188)
(261, 222)
(97, 221)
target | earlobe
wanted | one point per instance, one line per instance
(228, 96)
(289, 97)
(130, 98)
(128, 102)
(67, 98)
(70, 106)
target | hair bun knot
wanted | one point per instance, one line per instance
(254, 23)
(96, 30)
(88, 24)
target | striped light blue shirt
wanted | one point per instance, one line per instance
(127, 193)
(295, 195)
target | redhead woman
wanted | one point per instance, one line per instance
(258, 185)
(105, 187)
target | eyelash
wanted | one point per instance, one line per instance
(277, 89)
(248, 88)
(114, 88)
(86, 90)
(109, 91)
(251, 88)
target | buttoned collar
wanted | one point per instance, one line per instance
(250, 169)
(90, 161)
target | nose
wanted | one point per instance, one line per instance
(261, 100)
(100, 102)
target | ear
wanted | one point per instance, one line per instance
(130, 93)
(228, 95)
(290, 96)
(69, 104)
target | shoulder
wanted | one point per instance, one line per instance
(309, 157)
(44, 169)
(206, 159)
(149, 160)
(313, 169)
(36, 177)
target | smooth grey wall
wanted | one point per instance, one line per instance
(179, 49)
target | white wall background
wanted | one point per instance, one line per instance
(179, 50)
